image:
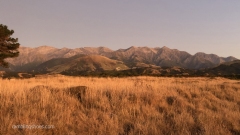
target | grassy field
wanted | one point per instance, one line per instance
(118, 106)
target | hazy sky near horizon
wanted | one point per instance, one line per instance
(210, 26)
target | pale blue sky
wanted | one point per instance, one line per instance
(210, 26)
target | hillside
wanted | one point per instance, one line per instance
(228, 68)
(79, 63)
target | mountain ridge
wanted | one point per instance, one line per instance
(133, 56)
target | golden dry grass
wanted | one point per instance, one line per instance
(117, 106)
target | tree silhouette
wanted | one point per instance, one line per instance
(8, 45)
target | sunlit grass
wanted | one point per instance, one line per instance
(134, 105)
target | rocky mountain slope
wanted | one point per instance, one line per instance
(33, 58)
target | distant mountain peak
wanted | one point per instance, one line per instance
(199, 53)
(133, 47)
(231, 57)
(44, 46)
(202, 53)
(166, 48)
(105, 49)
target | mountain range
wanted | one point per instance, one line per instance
(45, 59)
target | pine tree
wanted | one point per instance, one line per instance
(8, 45)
